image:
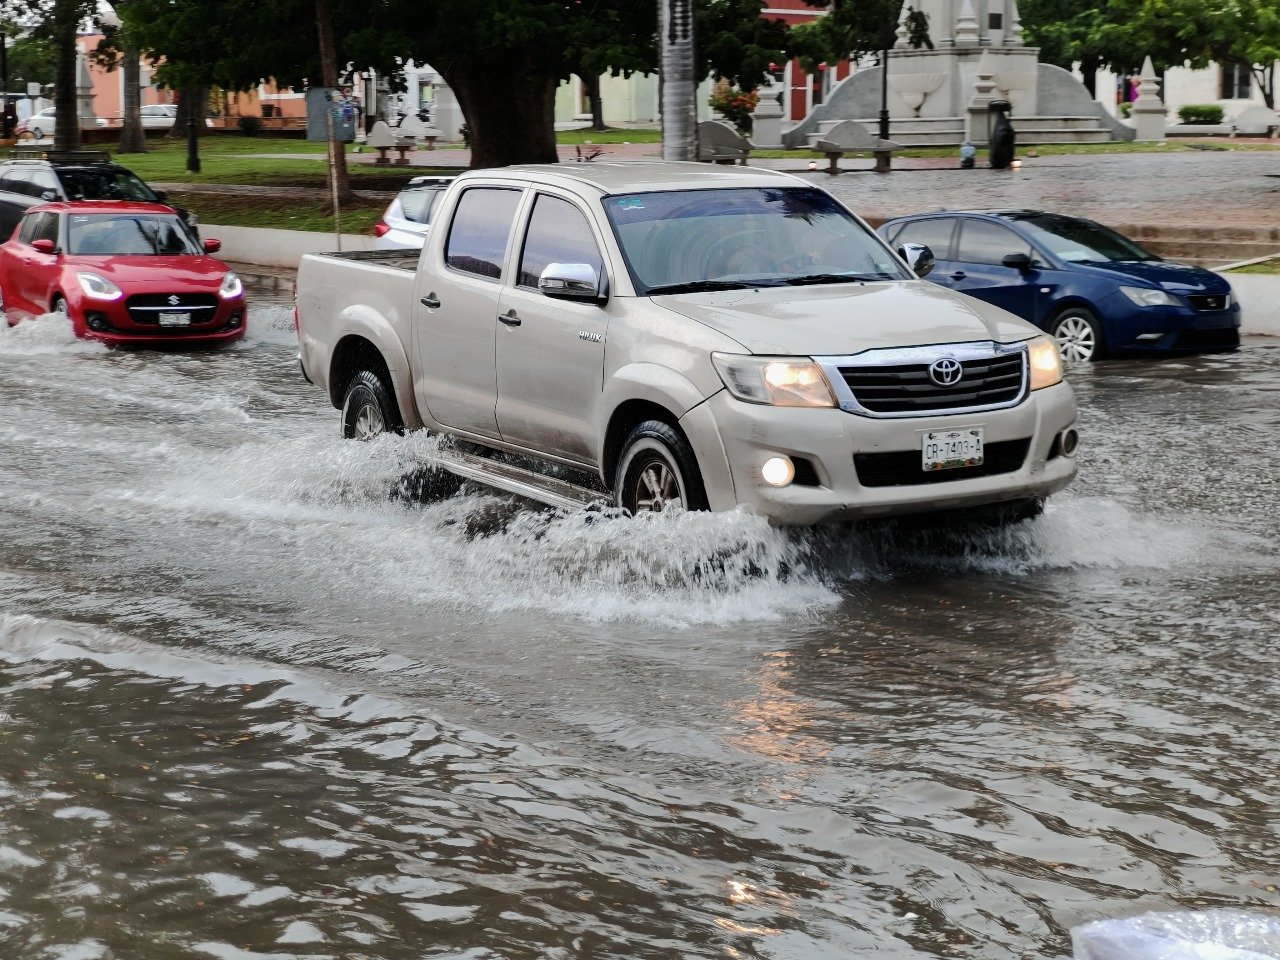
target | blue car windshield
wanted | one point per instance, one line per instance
(682, 241)
(1081, 241)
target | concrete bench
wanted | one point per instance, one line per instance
(720, 142)
(1256, 121)
(850, 136)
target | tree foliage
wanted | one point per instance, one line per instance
(1120, 33)
(850, 29)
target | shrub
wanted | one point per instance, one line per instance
(1207, 113)
(736, 105)
(249, 126)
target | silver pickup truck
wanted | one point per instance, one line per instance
(682, 334)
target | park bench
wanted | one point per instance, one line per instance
(1256, 121)
(720, 142)
(850, 136)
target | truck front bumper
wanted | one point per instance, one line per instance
(734, 439)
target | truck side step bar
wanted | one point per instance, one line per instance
(509, 478)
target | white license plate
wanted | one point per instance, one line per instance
(947, 449)
(175, 319)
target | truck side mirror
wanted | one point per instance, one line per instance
(1017, 261)
(918, 257)
(571, 281)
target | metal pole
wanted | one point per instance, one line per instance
(4, 78)
(884, 94)
(333, 169)
(193, 144)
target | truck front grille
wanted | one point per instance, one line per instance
(907, 388)
(903, 468)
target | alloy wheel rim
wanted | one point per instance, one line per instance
(368, 423)
(657, 488)
(1075, 338)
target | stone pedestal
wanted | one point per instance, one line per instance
(1148, 110)
(446, 115)
(84, 96)
(766, 119)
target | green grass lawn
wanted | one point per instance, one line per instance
(1267, 266)
(612, 135)
(253, 211)
(269, 161)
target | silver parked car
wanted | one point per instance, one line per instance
(404, 226)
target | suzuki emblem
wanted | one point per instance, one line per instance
(174, 300)
(946, 372)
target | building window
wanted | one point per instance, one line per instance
(1236, 81)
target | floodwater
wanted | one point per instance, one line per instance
(255, 707)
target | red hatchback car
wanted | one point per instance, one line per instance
(123, 272)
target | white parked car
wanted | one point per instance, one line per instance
(404, 226)
(683, 335)
(160, 116)
(42, 123)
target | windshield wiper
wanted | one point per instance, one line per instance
(704, 286)
(837, 278)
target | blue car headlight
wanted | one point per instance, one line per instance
(1147, 297)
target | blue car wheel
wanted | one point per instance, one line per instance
(1079, 335)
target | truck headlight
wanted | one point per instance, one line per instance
(780, 381)
(99, 288)
(1146, 297)
(1045, 362)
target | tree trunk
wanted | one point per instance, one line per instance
(339, 182)
(679, 82)
(507, 122)
(1266, 77)
(66, 17)
(132, 137)
(591, 84)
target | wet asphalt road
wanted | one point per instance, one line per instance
(252, 707)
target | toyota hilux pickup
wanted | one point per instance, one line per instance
(669, 334)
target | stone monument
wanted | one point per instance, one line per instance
(938, 96)
(1148, 109)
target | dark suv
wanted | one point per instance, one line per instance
(72, 175)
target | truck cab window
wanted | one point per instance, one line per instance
(558, 233)
(480, 230)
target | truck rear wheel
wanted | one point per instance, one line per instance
(658, 470)
(369, 409)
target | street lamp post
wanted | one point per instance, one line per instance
(4, 79)
(884, 94)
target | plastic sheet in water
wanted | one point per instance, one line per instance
(1197, 935)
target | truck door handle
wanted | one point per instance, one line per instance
(429, 301)
(509, 318)
(959, 275)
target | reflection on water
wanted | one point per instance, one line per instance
(253, 706)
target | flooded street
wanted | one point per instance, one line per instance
(255, 706)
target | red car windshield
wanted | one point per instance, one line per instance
(128, 234)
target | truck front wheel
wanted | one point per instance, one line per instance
(658, 470)
(369, 409)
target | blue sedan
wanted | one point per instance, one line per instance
(1095, 291)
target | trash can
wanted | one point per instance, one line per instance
(1001, 139)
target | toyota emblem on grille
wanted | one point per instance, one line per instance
(946, 372)
(174, 300)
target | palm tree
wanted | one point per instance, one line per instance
(679, 84)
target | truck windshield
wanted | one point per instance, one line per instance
(683, 241)
(133, 234)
